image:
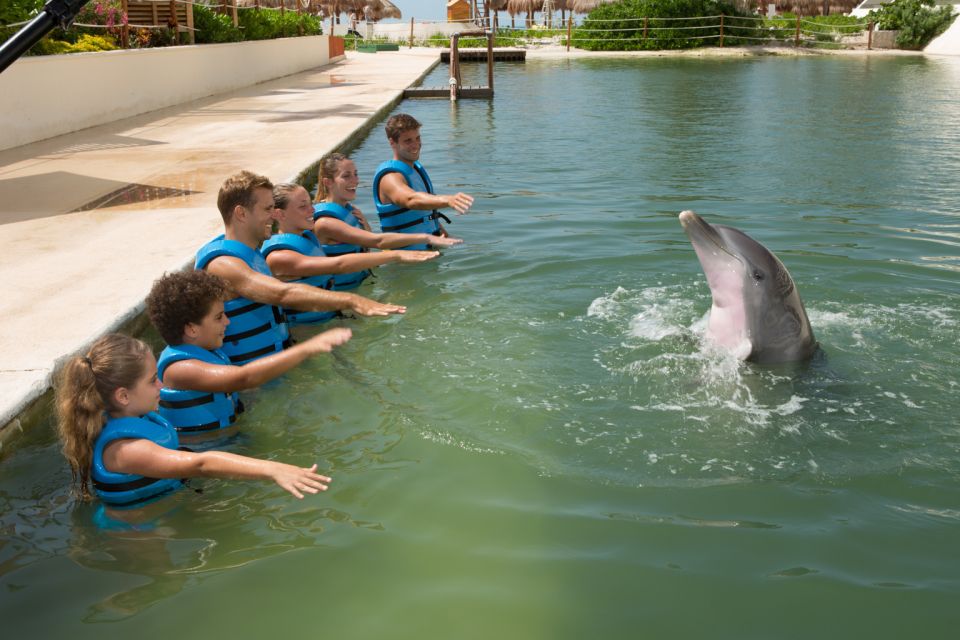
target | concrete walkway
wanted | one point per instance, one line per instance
(88, 220)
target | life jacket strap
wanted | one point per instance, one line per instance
(209, 426)
(239, 311)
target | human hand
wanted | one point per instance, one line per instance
(443, 241)
(326, 341)
(362, 219)
(460, 202)
(299, 480)
(366, 307)
(407, 257)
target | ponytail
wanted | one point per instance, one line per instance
(85, 393)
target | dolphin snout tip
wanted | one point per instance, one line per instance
(687, 217)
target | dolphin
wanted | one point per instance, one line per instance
(757, 313)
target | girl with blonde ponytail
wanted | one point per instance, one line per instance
(114, 440)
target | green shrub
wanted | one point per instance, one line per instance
(916, 20)
(619, 26)
(213, 27)
(265, 24)
(13, 11)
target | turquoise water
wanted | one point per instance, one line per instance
(541, 448)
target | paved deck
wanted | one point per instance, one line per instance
(88, 220)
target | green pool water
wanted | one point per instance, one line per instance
(541, 447)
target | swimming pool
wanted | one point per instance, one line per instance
(540, 448)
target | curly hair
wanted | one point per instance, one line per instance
(180, 298)
(239, 189)
(399, 123)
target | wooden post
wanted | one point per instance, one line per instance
(256, 4)
(869, 35)
(299, 21)
(490, 60)
(411, 33)
(796, 37)
(233, 13)
(569, 31)
(721, 31)
(174, 22)
(454, 61)
(125, 29)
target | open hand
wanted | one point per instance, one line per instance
(406, 257)
(444, 241)
(326, 341)
(366, 307)
(460, 202)
(299, 481)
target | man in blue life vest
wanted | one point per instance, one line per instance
(402, 192)
(257, 324)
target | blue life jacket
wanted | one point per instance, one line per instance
(341, 281)
(308, 245)
(196, 412)
(256, 329)
(128, 490)
(397, 219)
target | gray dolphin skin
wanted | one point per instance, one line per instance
(757, 313)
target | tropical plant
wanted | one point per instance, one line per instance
(213, 27)
(916, 20)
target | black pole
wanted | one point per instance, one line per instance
(55, 13)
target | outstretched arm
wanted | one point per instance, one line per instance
(393, 188)
(258, 287)
(287, 263)
(340, 231)
(146, 458)
(197, 375)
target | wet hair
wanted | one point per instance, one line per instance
(399, 123)
(240, 189)
(85, 392)
(282, 193)
(329, 165)
(180, 298)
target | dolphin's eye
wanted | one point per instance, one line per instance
(757, 275)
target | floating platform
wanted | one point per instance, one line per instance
(444, 92)
(480, 55)
(373, 47)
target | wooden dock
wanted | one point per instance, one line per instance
(480, 55)
(444, 92)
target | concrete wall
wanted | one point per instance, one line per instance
(46, 96)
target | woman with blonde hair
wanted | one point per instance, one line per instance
(342, 228)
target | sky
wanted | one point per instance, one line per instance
(422, 9)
